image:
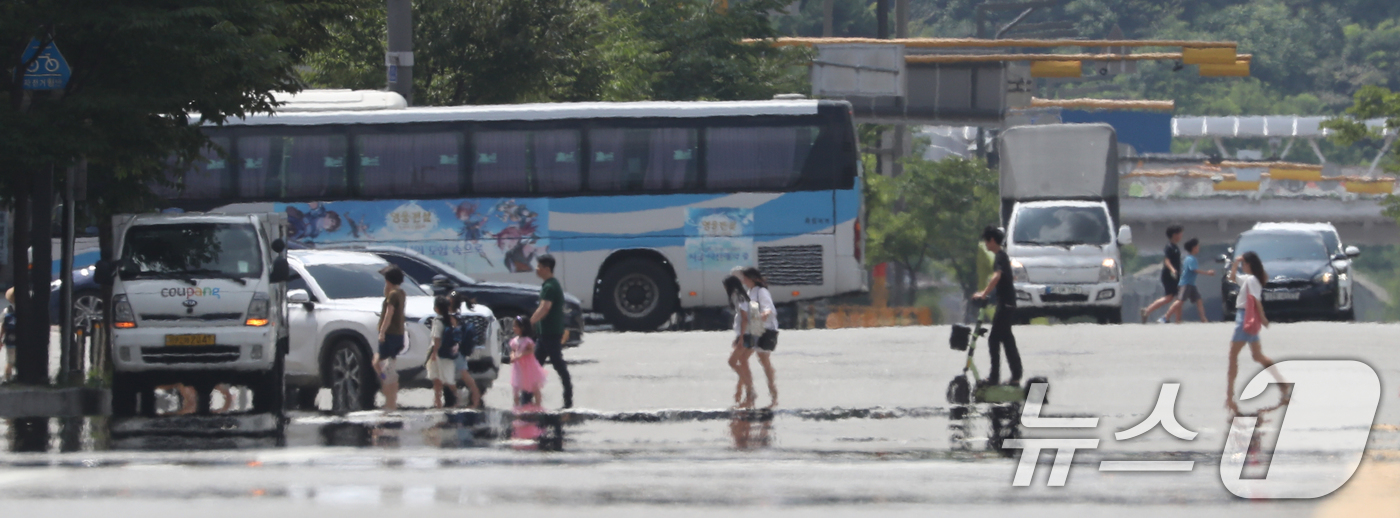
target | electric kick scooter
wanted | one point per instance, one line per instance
(972, 399)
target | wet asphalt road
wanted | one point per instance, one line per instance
(862, 426)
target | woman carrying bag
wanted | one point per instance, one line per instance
(1249, 319)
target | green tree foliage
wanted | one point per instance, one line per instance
(144, 74)
(1371, 102)
(510, 51)
(140, 69)
(474, 51)
(850, 19)
(934, 212)
(703, 55)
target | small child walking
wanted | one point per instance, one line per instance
(527, 375)
(1187, 291)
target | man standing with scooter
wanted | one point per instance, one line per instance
(1002, 281)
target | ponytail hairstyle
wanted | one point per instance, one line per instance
(526, 330)
(460, 298)
(754, 275)
(1256, 267)
(735, 288)
(442, 305)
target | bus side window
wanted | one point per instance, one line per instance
(315, 166)
(661, 159)
(765, 157)
(557, 160)
(256, 157)
(205, 179)
(502, 162)
(409, 163)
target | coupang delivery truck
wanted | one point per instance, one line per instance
(1059, 206)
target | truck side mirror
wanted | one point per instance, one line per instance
(278, 245)
(279, 271)
(1125, 235)
(103, 272)
(300, 297)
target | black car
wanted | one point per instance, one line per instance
(506, 300)
(1308, 269)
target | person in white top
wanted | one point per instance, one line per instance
(743, 343)
(1250, 286)
(768, 340)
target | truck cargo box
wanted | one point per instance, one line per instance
(1059, 162)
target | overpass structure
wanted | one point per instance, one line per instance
(1218, 201)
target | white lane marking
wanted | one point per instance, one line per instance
(651, 220)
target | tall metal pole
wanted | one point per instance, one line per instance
(68, 356)
(882, 19)
(400, 56)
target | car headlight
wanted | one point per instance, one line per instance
(1108, 271)
(1323, 278)
(1018, 271)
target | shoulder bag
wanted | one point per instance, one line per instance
(1253, 321)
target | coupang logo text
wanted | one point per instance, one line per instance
(190, 293)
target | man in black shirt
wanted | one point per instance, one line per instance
(1171, 273)
(1003, 281)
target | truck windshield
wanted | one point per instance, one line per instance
(356, 281)
(1061, 226)
(1283, 246)
(190, 251)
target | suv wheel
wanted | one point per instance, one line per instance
(351, 377)
(87, 309)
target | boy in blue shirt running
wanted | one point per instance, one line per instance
(1188, 292)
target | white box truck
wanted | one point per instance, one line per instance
(1059, 206)
(197, 299)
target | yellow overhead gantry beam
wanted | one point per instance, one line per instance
(985, 43)
(981, 58)
(1216, 58)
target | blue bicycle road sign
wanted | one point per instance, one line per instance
(49, 71)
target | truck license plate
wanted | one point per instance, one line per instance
(1063, 290)
(171, 340)
(1282, 295)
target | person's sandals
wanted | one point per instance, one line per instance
(1143, 313)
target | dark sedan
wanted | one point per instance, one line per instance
(1308, 272)
(87, 294)
(506, 300)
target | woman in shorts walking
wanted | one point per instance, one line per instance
(768, 341)
(1251, 292)
(743, 344)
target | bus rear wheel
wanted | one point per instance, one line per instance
(637, 295)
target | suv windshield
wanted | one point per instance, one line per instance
(355, 281)
(191, 250)
(1061, 226)
(1283, 246)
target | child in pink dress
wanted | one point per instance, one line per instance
(527, 375)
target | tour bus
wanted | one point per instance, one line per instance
(646, 206)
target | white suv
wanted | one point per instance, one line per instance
(333, 305)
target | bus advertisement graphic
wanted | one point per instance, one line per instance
(718, 238)
(472, 235)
